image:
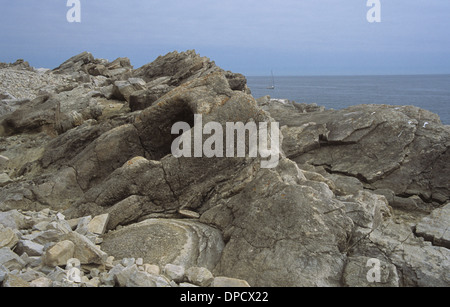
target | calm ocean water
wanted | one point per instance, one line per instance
(430, 92)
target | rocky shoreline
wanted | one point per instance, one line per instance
(55, 252)
(86, 173)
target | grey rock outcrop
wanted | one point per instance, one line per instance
(403, 149)
(368, 182)
(435, 227)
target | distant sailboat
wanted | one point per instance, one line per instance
(272, 87)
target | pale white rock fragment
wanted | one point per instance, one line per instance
(98, 224)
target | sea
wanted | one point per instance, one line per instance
(429, 92)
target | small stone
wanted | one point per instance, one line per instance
(3, 161)
(57, 275)
(139, 261)
(30, 274)
(94, 272)
(8, 237)
(73, 223)
(152, 269)
(4, 179)
(13, 281)
(31, 248)
(140, 279)
(43, 238)
(45, 212)
(109, 262)
(162, 281)
(126, 262)
(221, 282)
(41, 226)
(3, 272)
(82, 227)
(86, 251)
(174, 272)
(93, 283)
(14, 220)
(59, 254)
(199, 276)
(98, 224)
(124, 275)
(188, 285)
(10, 260)
(42, 282)
(189, 214)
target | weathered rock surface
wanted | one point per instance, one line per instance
(92, 140)
(435, 227)
(48, 253)
(176, 242)
(404, 149)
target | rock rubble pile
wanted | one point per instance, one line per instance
(42, 249)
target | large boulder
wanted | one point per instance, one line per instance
(282, 231)
(164, 241)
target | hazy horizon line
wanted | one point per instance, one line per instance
(348, 75)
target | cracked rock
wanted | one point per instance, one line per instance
(435, 227)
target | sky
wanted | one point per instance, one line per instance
(253, 37)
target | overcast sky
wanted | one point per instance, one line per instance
(292, 37)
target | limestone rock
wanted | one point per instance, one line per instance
(278, 226)
(199, 276)
(13, 281)
(8, 237)
(156, 89)
(358, 273)
(42, 282)
(179, 66)
(174, 272)
(30, 248)
(418, 263)
(59, 254)
(225, 282)
(183, 243)
(124, 274)
(385, 147)
(4, 179)
(434, 228)
(14, 219)
(10, 260)
(140, 279)
(98, 224)
(124, 89)
(3, 161)
(84, 250)
(311, 221)
(75, 63)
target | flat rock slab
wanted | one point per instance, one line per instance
(180, 242)
(435, 227)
